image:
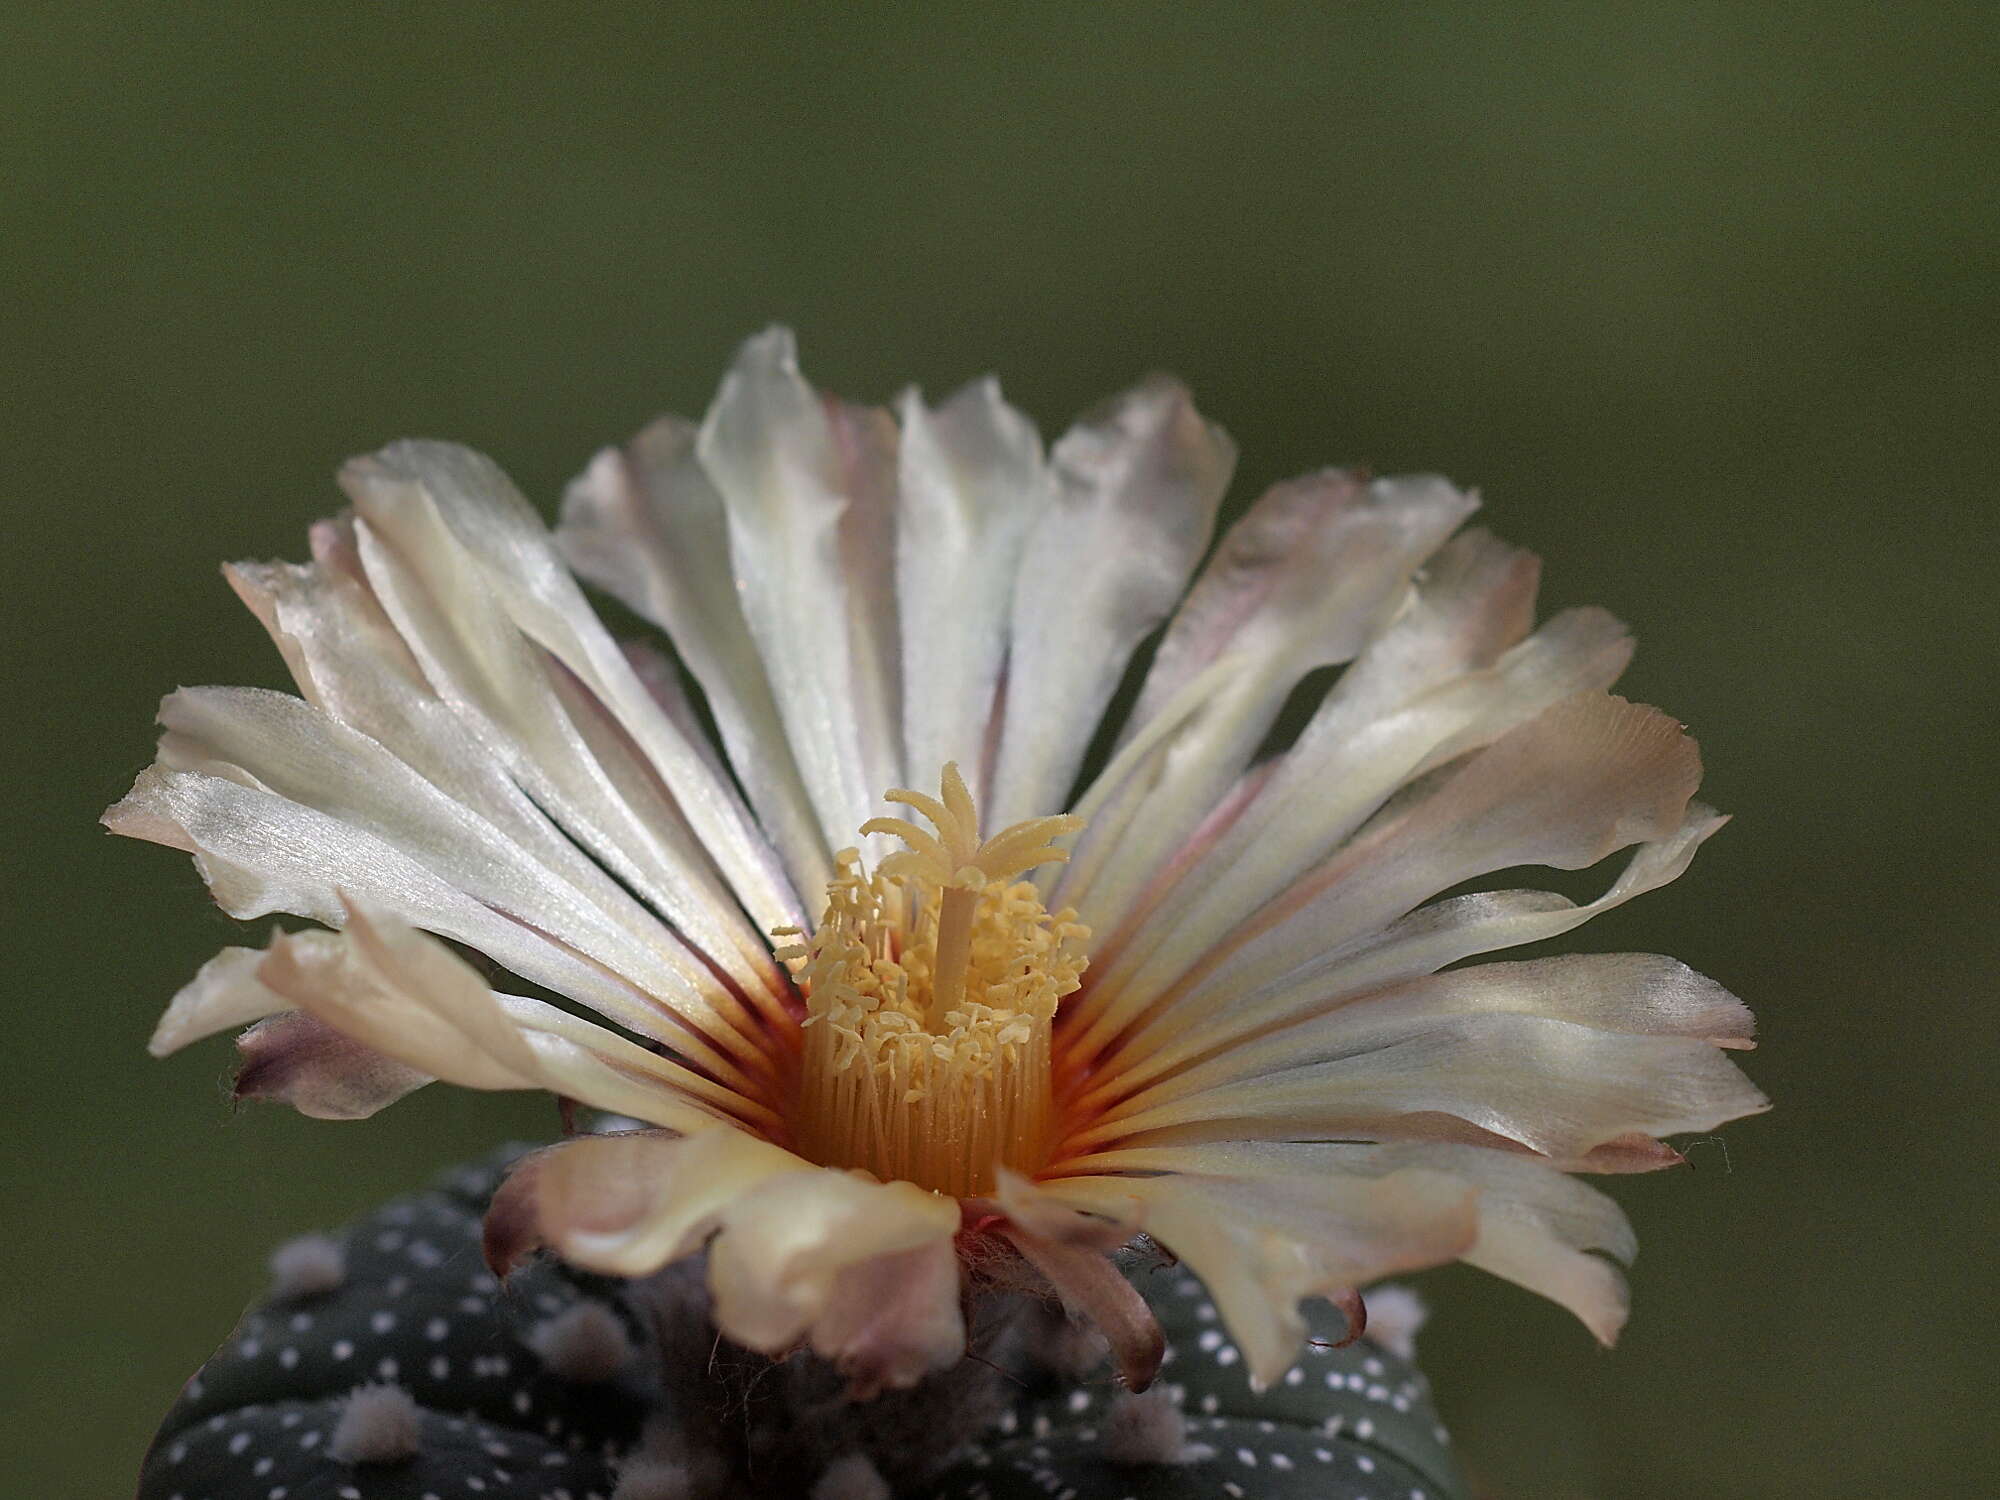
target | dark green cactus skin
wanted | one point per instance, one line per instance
(262, 1450)
(418, 1308)
(1352, 1423)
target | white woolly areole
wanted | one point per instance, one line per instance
(1069, 1348)
(309, 1266)
(378, 1425)
(850, 1478)
(1395, 1314)
(1147, 1428)
(676, 1467)
(647, 1478)
(586, 1343)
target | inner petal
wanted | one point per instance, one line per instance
(931, 985)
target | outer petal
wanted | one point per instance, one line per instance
(626, 1205)
(645, 524)
(1590, 776)
(784, 1244)
(261, 853)
(1033, 1211)
(1587, 777)
(1137, 485)
(348, 660)
(307, 756)
(301, 1061)
(973, 482)
(1096, 1293)
(1428, 690)
(864, 1269)
(1425, 941)
(786, 1234)
(1537, 1227)
(1311, 573)
(1262, 1246)
(225, 994)
(1554, 1086)
(477, 591)
(1314, 570)
(404, 995)
(1639, 993)
(891, 1320)
(494, 524)
(810, 490)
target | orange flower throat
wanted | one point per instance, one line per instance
(931, 987)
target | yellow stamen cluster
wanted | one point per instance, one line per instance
(930, 990)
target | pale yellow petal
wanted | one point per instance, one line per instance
(1047, 1217)
(1538, 1227)
(1261, 1246)
(626, 1205)
(226, 993)
(404, 994)
(323, 974)
(773, 1266)
(645, 524)
(1136, 486)
(1314, 570)
(893, 1319)
(1635, 993)
(299, 1060)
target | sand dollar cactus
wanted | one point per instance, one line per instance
(387, 1363)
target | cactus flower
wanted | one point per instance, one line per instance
(896, 993)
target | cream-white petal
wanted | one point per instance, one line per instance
(1315, 569)
(296, 1058)
(467, 574)
(261, 853)
(809, 488)
(401, 993)
(577, 1060)
(1541, 1230)
(774, 1266)
(645, 524)
(324, 975)
(1578, 781)
(1538, 1227)
(1034, 1212)
(224, 994)
(1137, 484)
(1450, 673)
(973, 480)
(350, 662)
(489, 518)
(300, 753)
(891, 1320)
(1557, 1087)
(1423, 942)
(1644, 994)
(628, 1204)
(1260, 1246)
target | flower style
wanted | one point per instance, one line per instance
(1212, 1003)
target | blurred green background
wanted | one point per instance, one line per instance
(1702, 296)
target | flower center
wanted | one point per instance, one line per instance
(930, 989)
